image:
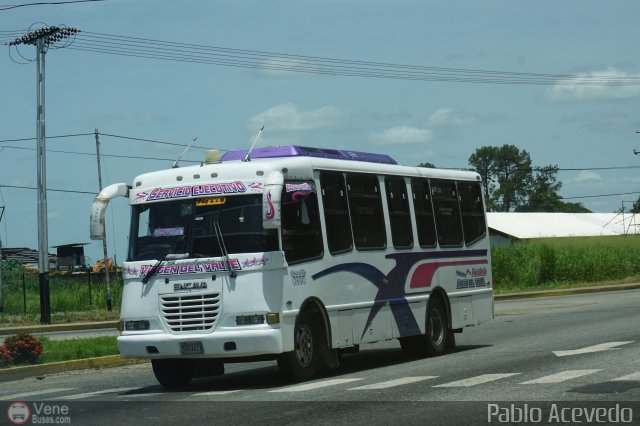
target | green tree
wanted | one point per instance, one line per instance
(427, 164)
(511, 183)
(544, 197)
(484, 161)
(506, 173)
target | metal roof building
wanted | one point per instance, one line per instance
(504, 228)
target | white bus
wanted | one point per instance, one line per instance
(297, 254)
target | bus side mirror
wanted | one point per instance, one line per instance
(271, 198)
(96, 220)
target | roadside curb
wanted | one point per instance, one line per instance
(566, 291)
(77, 326)
(23, 372)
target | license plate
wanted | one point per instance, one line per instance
(191, 348)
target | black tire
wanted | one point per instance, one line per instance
(438, 338)
(303, 363)
(172, 373)
(438, 333)
(414, 346)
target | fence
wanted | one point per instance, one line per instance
(78, 292)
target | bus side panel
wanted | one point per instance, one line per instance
(404, 325)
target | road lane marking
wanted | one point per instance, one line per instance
(90, 394)
(393, 383)
(629, 377)
(477, 380)
(34, 393)
(140, 395)
(214, 393)
(315, 385)
(561, 377)
(609, 346)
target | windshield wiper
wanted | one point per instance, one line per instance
(223, 249)
(168, 255)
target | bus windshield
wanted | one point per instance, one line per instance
(198, 228)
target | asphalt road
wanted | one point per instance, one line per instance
(552, 357)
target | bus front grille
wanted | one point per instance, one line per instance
(189, 313)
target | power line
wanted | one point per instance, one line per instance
(48, 137)
(93, 154)
(275, 61)
(560, 169)
(42, 3)
(600, 195)
(48, 189)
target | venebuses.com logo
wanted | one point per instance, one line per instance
(20, 413)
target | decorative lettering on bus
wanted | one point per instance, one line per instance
(472, 272)
(197, 190)
(471, 283)
(303, 187)
(193, 268)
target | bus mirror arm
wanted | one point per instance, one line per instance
(99, 206)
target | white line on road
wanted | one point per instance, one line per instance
(214, 393)
(629, 377)
(90, 394)
(609, 346)
(34, 393)
(561, 377)
(472, 381)
(139, 395)
(315, 385)
(393, 383)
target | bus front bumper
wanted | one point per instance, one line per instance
(219, 344)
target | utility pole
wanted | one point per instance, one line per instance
(1, 297)
(104, 240)
(42, 39)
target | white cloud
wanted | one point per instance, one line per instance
(402, 135)
(587, 175)
(287, 118)
(448, 117)
(605, 84)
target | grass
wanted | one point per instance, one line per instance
(565, 262)
(79, 348)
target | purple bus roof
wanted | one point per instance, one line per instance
(304, 151)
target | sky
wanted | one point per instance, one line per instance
(563, 122)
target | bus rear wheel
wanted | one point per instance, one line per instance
(438, 338)
(303, 363)
(438, 333)
(172, 373)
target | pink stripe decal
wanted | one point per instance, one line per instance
(423, 275)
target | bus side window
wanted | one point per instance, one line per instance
(336, 212)
(472, 209)
(425, 225)
(365, 207)
(399, 214)
(301, 232)
(447, 213)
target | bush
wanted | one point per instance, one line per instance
(23, 348)
(5, 357)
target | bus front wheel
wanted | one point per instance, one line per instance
(172, 373)
(303, 362)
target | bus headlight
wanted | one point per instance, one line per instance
(137, 325)
(250, 319)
